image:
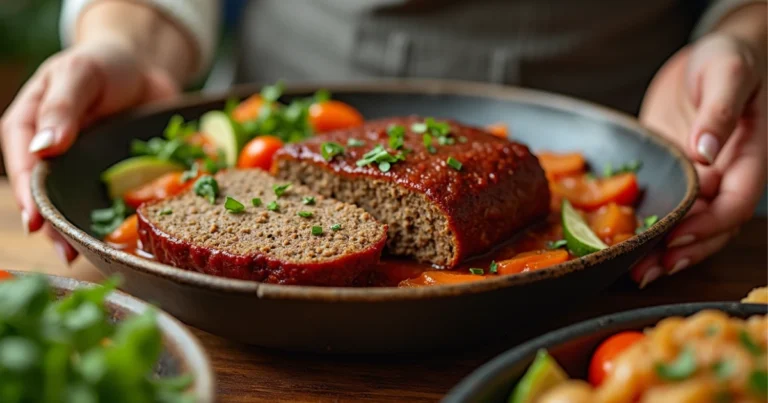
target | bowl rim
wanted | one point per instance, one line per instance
(184, 342)
(341, 294)
(474, 383)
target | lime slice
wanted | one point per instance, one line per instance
(133, 172)
(580, 238)
(225, 134)
(541, 376)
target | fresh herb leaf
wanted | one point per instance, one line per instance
(419, 127)
(630, 167)
(758, 382)
(384, 166)
(317, 230)
(380, 155)
(308, 200)
(230, 106)
(648, 222)
(462, 139)
(477, 271)
(256, 202)
(305, 214)
(427, 139)
(396, 135)
(330, 149)
(355, 143)
(178, 129)
(560, 243)
(273, 206)
(207, 187)
(494, 267)
(445, 141)
(437, 128)
(683, 367)
(105, 221)
(335, 227)
(212, 166)
(749, 344)
(233, 206)
(175, 150)
(281, 189)
(322, 95)
(454, 163)
(190, 174)
(165, 211)
(271, 93)
(723, 369)
(608, 170)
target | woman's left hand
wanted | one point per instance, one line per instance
(710, 99)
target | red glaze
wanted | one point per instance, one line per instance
(258, 267)
(500, 189)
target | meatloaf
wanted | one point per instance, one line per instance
(307, 240)
(444, 200)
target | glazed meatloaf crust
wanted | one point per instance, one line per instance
(436, 211)
(260, 244)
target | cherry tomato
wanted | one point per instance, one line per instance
(248, 109)
(258, 152)
(127, 234)
(4, 275)
(333, 115)
(591, 194)
(165, 186)
(603, 359)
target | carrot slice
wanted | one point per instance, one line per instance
(127, 234)
(611, 220)
(591, 194)
(533, 260)
(559, 165)
(498, 130)
(440, 277)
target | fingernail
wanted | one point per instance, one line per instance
(680, 265)
(42, 140)
(708, 147)
(25, 222)
(651, 275)
(681, 241)
(62, 252)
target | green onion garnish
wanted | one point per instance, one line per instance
(355, 143)
(305, 214)
(680, 369)
(233, 206)
(396, 135)
(560, 243)
(476, 271)
(308, 200)
(330, 149)
(453, 163)
(256, 202)
(494, 267)
(280, 189)
(273, 206)
(166, 211)
(317, 230)
(335, 227)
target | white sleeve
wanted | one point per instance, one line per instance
(199, 17)
(716, 11)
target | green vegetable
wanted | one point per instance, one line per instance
(355, 143)
(322, 95)
(683, 367)
(225, 134)
(631, 167)
(758, 382)
(579, 237)
(711, 330)
(233, 206)
(419, 128)
(380, 156)
(560, 243)
(177, 128)
(305, 214)
(723, 396)
(749, 344)
(454, 163)
(647, 223)
(273, 206)
(476, 271)
(133, 172)
(166, 211)
(723, 369)
(207, 187)
(317, 230)
(308, 200)
(256, 202)
(426, 138)
(330, 149)
(445, 141)
(271, 93)
(106, 220)
(437, 128)
(173, 146)
(462, 139)
(281, 189)
(55, 351)
(191, 173)
(231, 105)
(543, 374)
(396, 135)
(494, 267)
(335, 227)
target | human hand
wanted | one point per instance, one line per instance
(710, 99)
(70, 90)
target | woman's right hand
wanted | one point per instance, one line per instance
(69, 91)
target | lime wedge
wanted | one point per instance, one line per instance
(541, 376)
(580, 238)
(224, 133)
(133, 172)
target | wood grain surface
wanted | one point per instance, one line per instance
(250, 374)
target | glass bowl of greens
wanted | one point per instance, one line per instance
(63, 340)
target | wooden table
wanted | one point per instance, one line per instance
(248, 374)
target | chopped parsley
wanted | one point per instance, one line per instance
(233, 206)
(172, 146)
(191, 173)
(647, 223)
(355, 143)
(631, 167)
(177, 128)
(317, 230)
(165, 211)
(494, 267)
(330, 149)
(476, 271)
(445, 141)
(256, 202)
(437, 128)
(380, 156)
(396, 135)
(206, 187)
(427, 139)
(335, 227)
(280, 189)
(305, 214)
(273, 206)
(683, 367)
(749, 344)
(105, 221)
(560, 243)
(454, 163)
(308, 200)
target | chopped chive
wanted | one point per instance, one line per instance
(273, 206)
(380, 156)
(330, 149)
(335, 227)
(165, 211)
(384, 166)
(680, 369)
(305, 214)
(280, 189)
(355, 143)
(308, 200)
(453, 163)
(396, 135)
(233, 206)
(426, 138)
(419, 128)
(445, 141)
(560, 243)
(317, 230)
(494, 267)
(749, 344)
(256, 202)
(476, 271)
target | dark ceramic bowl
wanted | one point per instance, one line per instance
(381, 320)
(573, 346)
(182, 354)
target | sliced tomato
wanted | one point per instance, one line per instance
(611, 220)
(559, 165)
(258, 152)
(498, 129)
(605, 355)
(590, 194)
(440, 277)
(248, 109)
(165, 186)
(333, 115)
(530, 261)
(4, 275)
(126, 235)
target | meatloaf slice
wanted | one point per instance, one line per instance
(436, 212)
(259, 244)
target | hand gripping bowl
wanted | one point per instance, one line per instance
(380, 320)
